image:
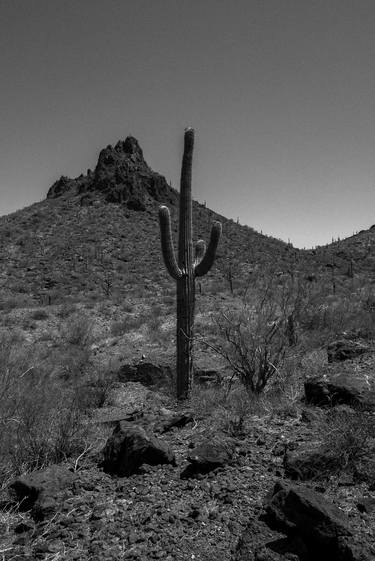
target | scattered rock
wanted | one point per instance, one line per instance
(129, 447)
(207, 456)
(345, 349)
(115, 414)
(176, 420)
(147, 374)
(310, 463)
(350, 388)
(132, 397)
(38, 490)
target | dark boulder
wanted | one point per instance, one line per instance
(129, 447)
(311, 463)
(147, 374)
(207, 456)
(345, 349)
(259, 543)
(38, 490)
(366, 504)
(351, 388)
(324, 528)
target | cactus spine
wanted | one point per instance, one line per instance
(190, 264)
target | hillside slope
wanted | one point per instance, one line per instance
(102, 228)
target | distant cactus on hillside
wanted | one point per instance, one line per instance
(188, 266)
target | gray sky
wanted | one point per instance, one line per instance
(281, 93)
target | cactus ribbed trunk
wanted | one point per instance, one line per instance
(189, 264)
(186, 284)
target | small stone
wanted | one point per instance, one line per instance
(366, 504)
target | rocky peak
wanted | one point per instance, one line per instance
(122, 176)
(129, 146)
(126, 153)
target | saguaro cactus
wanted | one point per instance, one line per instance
(188, 266)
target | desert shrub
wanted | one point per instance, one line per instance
(39, 315)
(347, 434)
(11, 303)
(235, 411)
(119, 327)
(313, 362)
(205, 400)
(127, 307)
(40, 420)
(78, 330)
(228, 407)
(138, 290)
(154, 321)
(328, 315)
(126, 324)
(252, 344)
(66, 310)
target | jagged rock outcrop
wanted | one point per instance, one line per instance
(122, 176)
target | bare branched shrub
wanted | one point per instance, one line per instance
(253, 345)
(127, 323)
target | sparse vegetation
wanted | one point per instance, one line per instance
(347, 435)
(40, 420)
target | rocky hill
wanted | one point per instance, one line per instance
(102, 228)
(105, 224)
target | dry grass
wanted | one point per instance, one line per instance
(45, 393)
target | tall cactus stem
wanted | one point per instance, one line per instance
(189, 264)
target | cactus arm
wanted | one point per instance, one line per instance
(200, 248)
(167, 243)
(209, 257)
